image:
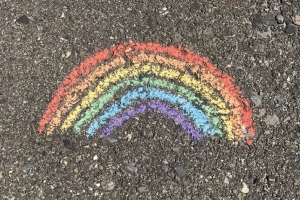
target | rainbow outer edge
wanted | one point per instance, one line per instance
(131, 48)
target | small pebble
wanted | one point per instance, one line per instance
(180, 171)
(226, 181)
(271, 178)
(92, 166)
(240, 196)
(262, 112)
(296, 20)
(112, 138)
(96, 166)
(142, 189)
(109, 186)
(272, 120)
(245, 189)
(279, 18)
(129, 137)
(95, 157)
(267, 132)
(68, 54)
(256, 99)
(175, 149)
(82, 54)
(278, 98)
(132, 168)
(165, 162)
(288, 118)
(78, 158)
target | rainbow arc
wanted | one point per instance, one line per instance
(130, 79)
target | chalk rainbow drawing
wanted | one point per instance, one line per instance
(169, 80)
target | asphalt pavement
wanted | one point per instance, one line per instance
(149, 156)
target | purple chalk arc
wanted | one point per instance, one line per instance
(153, 106)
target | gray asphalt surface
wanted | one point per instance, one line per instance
(244, 38)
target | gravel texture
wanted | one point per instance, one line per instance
(149, 157)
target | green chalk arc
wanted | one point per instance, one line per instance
(96, 106)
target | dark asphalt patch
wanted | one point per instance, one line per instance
(23, 19)
(34, 62)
